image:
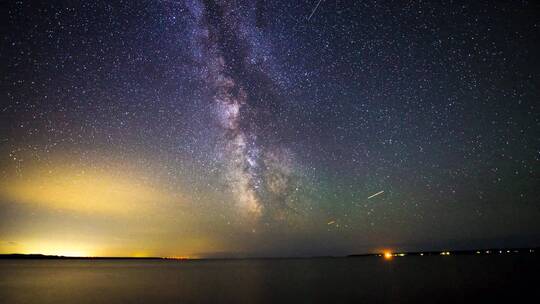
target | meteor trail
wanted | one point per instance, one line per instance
(314, 10)
(378, 193)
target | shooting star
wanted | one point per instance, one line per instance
(314, 10)
(378, 193)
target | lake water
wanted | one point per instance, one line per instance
(433, 279)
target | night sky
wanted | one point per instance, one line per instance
(268, 128)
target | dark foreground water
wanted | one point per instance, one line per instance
(432, 279)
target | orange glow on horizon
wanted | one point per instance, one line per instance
(90, 192)
(67, 249)
(388, 255)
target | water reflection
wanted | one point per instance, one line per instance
(367, 279)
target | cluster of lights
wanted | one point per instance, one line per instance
(503, 251)
(508, 251)
(389, 255)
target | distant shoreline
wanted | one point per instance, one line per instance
(49, 257)
(490, 251)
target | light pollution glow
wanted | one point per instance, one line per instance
(73, 209)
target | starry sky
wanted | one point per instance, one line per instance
(268, 128)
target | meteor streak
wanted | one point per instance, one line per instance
(314, 10)
(376, 194)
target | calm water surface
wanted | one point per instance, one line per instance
(432, 279)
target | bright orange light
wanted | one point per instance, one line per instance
(388, 255)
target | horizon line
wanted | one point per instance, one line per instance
(483, 251)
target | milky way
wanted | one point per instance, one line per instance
(225, 37)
